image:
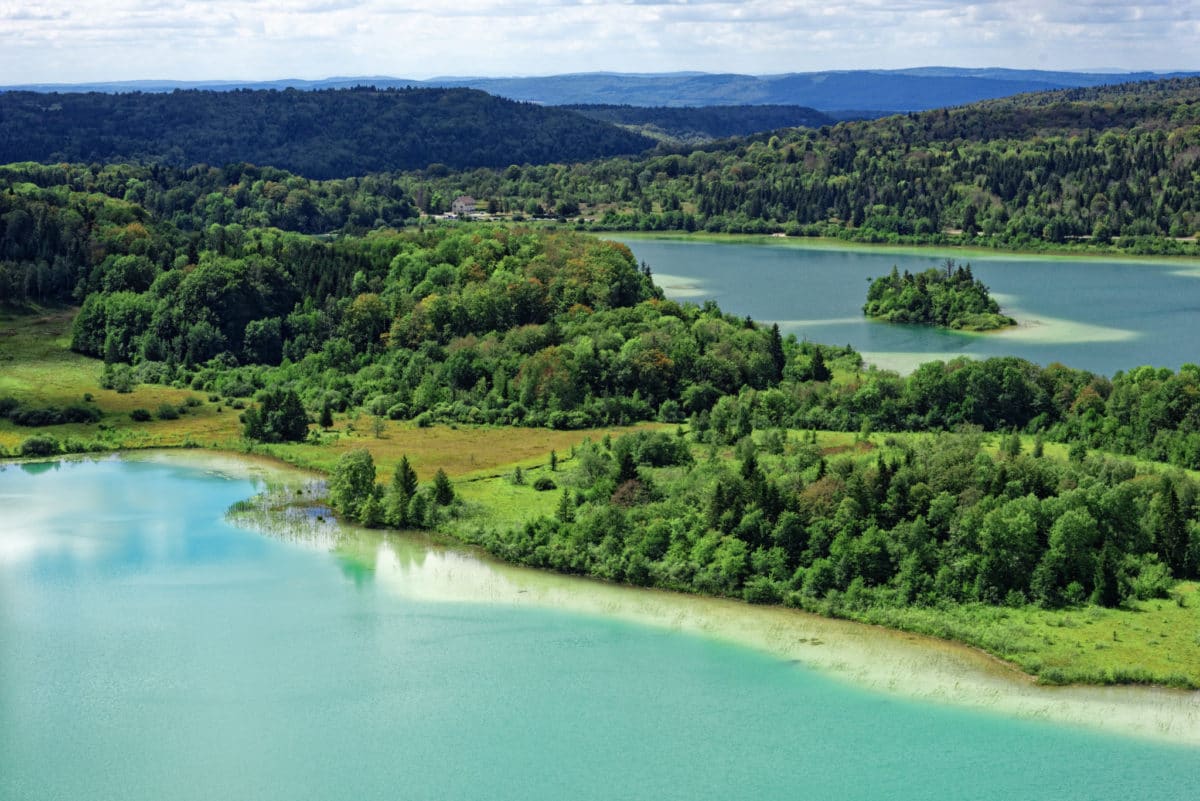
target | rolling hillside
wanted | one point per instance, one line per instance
(319, 134)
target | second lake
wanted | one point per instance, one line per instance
(1097, 314)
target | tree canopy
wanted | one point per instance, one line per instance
(950, 297)
(327, 133)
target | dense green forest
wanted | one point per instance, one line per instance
(319, 134)
(1107, 167)
(921, 521)
(950, 297)
(1084, 167)
(693, 125)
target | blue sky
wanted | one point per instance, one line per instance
(86, 40)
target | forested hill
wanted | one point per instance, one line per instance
(1094, 166)
(706, 123)
(321, 134)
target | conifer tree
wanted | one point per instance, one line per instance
(443, 490)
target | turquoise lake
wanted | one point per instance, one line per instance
(151, 650)
(1097, 314)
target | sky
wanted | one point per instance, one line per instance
(98, 40)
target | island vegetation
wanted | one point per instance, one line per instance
(949, 298)
(582, 422)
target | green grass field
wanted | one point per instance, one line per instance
(38, 368)
(1145, 642)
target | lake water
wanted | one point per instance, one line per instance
(151, 650)
(1096, 314)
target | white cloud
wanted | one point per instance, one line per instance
(187, 39)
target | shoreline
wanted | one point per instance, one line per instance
(437, 568)
(872, 658)
(832, 243)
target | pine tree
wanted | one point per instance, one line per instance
(399, 495)
(1011, 446)
(775, 346)
(405, 478)
(566, 508)
(818, 371)
(626, 466)
(1171, 532)
(326, 421)
(418, 511)
(443, 490)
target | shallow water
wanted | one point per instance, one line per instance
(1095, 314)
(149, 649)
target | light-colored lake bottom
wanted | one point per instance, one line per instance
(920, 668)
(1098, 313)
(912, 666)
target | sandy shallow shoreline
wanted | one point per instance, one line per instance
(908, 665)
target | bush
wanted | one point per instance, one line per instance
(118, 377)
(167, 412)
(279, 417)
(152, 373)
(52, 416)
(761, 590)
(140, 415)
(33, 418)
(544, 483)
(75, 445)
(78, 413)
(1153, 580)
(40, 446)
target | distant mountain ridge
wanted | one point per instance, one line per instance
(869, 91)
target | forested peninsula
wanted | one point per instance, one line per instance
(950, 298)
(583, 422)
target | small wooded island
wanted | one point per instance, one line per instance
(950, 298)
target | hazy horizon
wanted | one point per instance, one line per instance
(88, 41)
(152, 79)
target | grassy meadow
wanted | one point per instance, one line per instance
(37, 368)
